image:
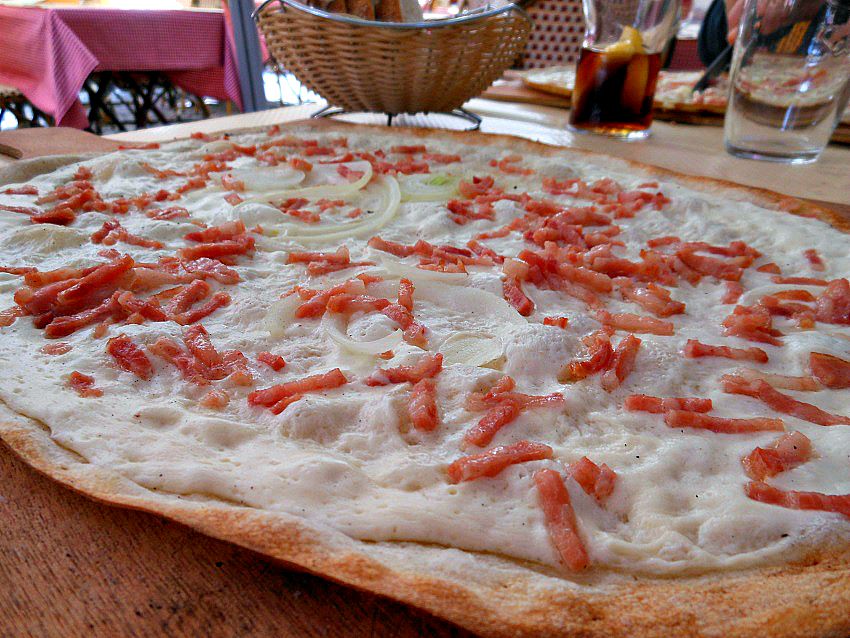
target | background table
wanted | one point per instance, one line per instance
(48, 51)
(74, 567)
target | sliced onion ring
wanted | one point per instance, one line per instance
(472, 349)
(322, 233)
(427, 187)
(322, 190)
(376, 346)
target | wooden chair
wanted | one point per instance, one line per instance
(27, 115)
(557, 35)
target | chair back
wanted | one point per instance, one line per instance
(557, 35)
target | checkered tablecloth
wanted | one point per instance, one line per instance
(48, 53)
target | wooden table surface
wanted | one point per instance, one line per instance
(69, 566)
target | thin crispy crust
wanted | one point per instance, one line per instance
(491, 595)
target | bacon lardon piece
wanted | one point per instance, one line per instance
(341, 256)
(622, 363)
(197, 340)
(21, 190)
(278, 397)
(212, 269)
(478, 186)
(770, 268)
(414, 332)
(160, 174)
(316, 302)
(560, 519)
(494, 420)
(218, 300)
(345, 303)
(68, 324)
(55, 349)
(597, 481)
(689, 419)
(558, 322)
(139, 309)
(189, 367)
(173, 212)
(8, 316)
(60, 216)
(705, 265)
(516, 297)
(112, 232)
(491, 463)
(734, 290)
(215, 399)
(405, 294)
(422, 405)
(428, 366)
(502, 406)
(17, 270)
(601, 354)
(95, 286)
(787, 452)
(833, 306)
(508, 165)
(274, 361)
(800, 281)
(658, 405)
(226, 231)
(753, 323)
(21, 210)
(596, 281)
(629, 322)
(129, 356)
(42, 300)
(652, 298)
(780, 402)
(694, 349)
(188, 296)
(830, 370)
(240, 245)
(801, 384)
(83, 384)
(233, 199)
(815, 260)
(409, 150)
(837, 503)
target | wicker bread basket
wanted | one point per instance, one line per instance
(387, 67)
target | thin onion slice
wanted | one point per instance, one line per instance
(368, 225)
(270, 178)
(428, 187)
(376, 346)
(321, 190)
(415, 274)
(472, 349)
(280, 314)
(468, 300)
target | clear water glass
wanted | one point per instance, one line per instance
(790, 79)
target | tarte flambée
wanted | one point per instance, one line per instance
(533, 390)
(767, 82)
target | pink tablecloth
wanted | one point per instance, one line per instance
(48, 53)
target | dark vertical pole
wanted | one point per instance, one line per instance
(248, 56)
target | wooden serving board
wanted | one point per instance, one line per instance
(27, 143)
(512, 89)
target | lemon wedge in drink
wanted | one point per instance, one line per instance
(629, 44)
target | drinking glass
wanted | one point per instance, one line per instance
(619, 64)
(790, 79)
